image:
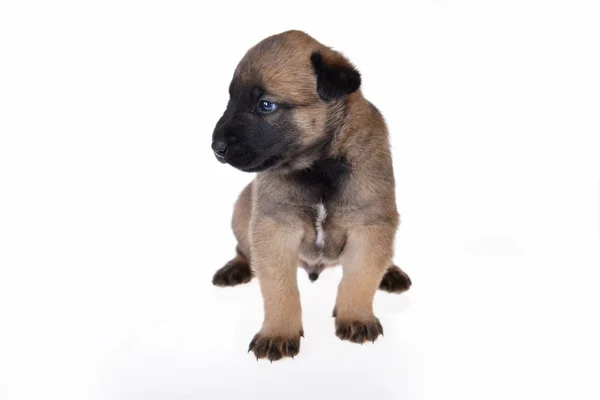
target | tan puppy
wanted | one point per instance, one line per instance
(324, 192)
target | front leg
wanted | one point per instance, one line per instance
(365, 259)
(275, 250)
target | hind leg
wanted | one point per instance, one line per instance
(395, 280)
(238, 270)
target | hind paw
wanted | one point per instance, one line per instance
(395, 281)
(233, 273)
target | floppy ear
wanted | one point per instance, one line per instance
(335, 79)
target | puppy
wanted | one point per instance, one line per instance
(323, 194)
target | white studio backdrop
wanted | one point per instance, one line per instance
(114, 213)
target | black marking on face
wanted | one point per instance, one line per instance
(254, 141)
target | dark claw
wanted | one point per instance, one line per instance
(274, 352)
(292, 347)
(380, 327)
(252, 343)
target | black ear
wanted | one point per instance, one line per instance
(334, 81)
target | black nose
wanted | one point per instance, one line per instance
(219, 147)
(313, 276)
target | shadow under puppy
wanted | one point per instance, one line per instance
(324, 192)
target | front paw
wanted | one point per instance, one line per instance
(358, 331)
(274, 348)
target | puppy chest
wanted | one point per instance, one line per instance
(323, 240)
(319, 220)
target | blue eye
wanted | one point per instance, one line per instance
(266, 107)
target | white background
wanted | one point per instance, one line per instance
(114, 213)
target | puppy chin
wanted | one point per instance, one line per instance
(259, 165)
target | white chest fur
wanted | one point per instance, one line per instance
(320, 218)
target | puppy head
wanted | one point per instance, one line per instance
(286, 100)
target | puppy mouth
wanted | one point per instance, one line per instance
(221, 158)
(251, 166)
(268, 163)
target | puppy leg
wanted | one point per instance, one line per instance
(238, 269)
(395, 280)
(368, 254)
(275, 249)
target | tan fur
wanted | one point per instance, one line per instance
(272, 227)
